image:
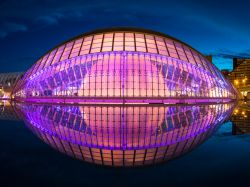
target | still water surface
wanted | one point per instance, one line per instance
(173, 145)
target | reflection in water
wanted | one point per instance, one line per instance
(241, 120)
(124, 135)
(7, 112)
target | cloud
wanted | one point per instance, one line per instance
(227, 54)
(11, 27)
(48, 20)
(51, 19)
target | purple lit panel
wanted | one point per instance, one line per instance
(124, 75)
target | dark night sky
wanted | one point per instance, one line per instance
(29, 28)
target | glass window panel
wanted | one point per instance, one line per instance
(129, 36)
(50, 58)
(137, 35)
(118, 48)
(141, 49)
(141, 40)
(98, 36)
(129, 43)
(152, 50)
(151, 45)
(43, 62)
(88, 39)
(76, 47)
(66, 51)
(95, 45)
(108, 35)
(107, 48)
(107, 44)
(129, 48)
(163, 52)
(150, 37)
(139, 44)
(58, 54)
(118, 43)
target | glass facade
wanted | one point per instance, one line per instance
(124, 135)
(124, 66)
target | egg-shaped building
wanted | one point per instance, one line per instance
(123, 65)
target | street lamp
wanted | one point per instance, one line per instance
(244, 81)
(236, 82)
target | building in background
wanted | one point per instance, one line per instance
(7, 83)
(225, 72)
(209, 58)
(240, 76)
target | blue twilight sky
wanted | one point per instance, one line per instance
(29, 28)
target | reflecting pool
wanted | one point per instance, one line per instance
(123, 135)
(210, 141)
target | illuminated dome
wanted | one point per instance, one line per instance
(123, 65)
